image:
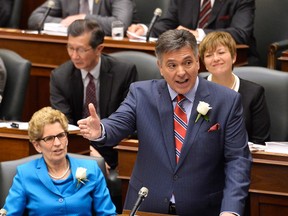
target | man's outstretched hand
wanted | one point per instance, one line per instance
(90, 127)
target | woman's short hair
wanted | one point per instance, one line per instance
(214, 39)
(42, 117)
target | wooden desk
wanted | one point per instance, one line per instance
(47, 52)
(284, 61)
(14, 144)
(139, 213)
(269, 179)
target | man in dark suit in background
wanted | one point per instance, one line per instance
(210, 174)
(5, 11)
(111, 77)
(233, 16)
(103, 11)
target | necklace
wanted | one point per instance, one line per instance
(60, 177)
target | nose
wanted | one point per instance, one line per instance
(181, 70)
(57, 141)
(215, 57)
(74, 55)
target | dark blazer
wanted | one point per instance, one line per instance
(213, 173)
(104, 12)
(233, 16)
(5, 11)
(257, 119)
(66, 92)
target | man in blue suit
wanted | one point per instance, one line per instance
(212, 175)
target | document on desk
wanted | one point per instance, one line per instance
(54, 29)
(24, 125)
(138, 38)
(277, 147)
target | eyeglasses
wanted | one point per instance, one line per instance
(80, 51)
(50, 139)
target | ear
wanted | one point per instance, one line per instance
(160, 67)
(37, 146)
(99, 48)
(235, 57)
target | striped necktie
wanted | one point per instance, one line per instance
(205, 13)
(180, 125)
(90, 95)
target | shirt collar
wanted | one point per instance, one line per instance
(95, 71)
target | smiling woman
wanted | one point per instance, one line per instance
(218, 53)
(53, 177)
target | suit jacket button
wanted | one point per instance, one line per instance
(175, 177)
(60, 200)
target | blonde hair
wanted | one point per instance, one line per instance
(214, 39)
(42, 117)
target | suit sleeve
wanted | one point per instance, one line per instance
(260, 118)
(120, 10)
(55, 15)
(241, 21)
(237, 161)
(15, 203)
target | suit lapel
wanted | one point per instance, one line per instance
(77, 90)
(73, 7)
(106, 79)
(218, 4)
(202, 94)
(96, 6)
(165, 109)
(42, 174)
(195, 15)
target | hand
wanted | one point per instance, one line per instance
(136, 29)
(68, 20)
(194, 32)
(90, 127)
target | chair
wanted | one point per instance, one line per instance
(270, 25)
(18, 73)
(146, 64)
(275, 84)
(274, 53)
(8, 171)
(145, 9)
(14, 21)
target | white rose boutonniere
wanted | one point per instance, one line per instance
(81, 175)
(202, 110)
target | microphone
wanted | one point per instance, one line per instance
(157, 14)
(50, 5)
(141, 195)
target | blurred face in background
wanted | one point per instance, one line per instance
(81, 53)
(219, 61)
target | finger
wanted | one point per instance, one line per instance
(92, 111)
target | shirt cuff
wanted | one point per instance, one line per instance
(103, 134)
(201, 34)
(229, 212)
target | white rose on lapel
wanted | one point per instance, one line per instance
(202, 110)
(81, 175)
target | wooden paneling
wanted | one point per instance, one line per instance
(269, 176)
(14, 144)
